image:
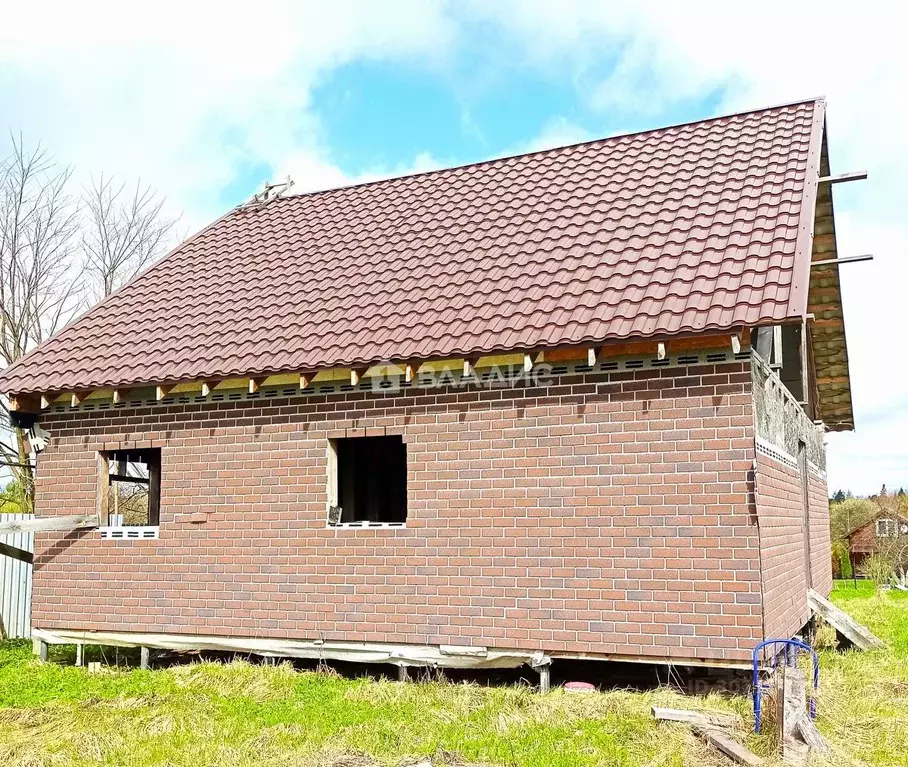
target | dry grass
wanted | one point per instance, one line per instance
(246, 714)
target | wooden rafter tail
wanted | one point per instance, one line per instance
(255, 384)
(469, 366)
(46, 401)
(845, 260)
(410, 370)
(527, 362)
(161, 391)
(592, 355)
(660, 350)
(736, 343)
(841, 178)
(306, 380)
(119, 395)
(24, 403)
(356, 375)
(208, 387)
(77, 398)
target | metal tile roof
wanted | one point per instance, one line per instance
(703, 226)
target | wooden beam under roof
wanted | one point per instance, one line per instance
(527, 360)
(846, 260)
(841, 178)
(161, 391)
(356, 375)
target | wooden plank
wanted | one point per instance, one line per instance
(842, 178)
(702, 718)
(39, 524)
(809, 733)
(794, 700)
(24, 403)
(857, 634)
(154, 491)
(127, 478)
(731, 748)
(21, 554)
(846, 260)
(103, 497)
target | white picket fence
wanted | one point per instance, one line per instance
(16, 583)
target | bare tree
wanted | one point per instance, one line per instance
(56, 254)
(40, 282)
(124, 232)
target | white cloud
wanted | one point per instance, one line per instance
(183, 94)
(557, 131)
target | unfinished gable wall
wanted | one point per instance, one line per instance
(608, 513)
(781, 425)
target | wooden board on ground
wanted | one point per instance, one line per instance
(859, 635)
(731, 748)
(702, 718)
(799, 734)
(38, 524)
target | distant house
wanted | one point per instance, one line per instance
(886, 531)
(569, 404)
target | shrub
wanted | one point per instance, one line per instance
(879, 568)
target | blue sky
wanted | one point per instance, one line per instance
(207, 101)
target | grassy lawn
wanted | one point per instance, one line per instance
(243, 714)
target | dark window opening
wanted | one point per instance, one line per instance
(131, 487)
(369, 480)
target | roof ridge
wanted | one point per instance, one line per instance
(547, 150)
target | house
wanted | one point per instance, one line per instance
(885, 532)
(568, 404)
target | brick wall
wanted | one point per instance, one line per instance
(820, 538)
(780, 510)
(608, 513)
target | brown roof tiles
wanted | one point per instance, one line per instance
(689, 228)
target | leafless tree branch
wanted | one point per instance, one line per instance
(125, 231)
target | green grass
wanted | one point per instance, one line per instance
(240, 714)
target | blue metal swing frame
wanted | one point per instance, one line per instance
(790, 652)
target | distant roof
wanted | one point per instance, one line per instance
(695, 227)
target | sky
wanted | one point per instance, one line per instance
(206, 102)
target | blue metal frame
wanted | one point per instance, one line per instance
(791, 649)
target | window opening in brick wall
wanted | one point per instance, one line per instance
(130, 488)
(367, 481)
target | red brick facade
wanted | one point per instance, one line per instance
(609, 514)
